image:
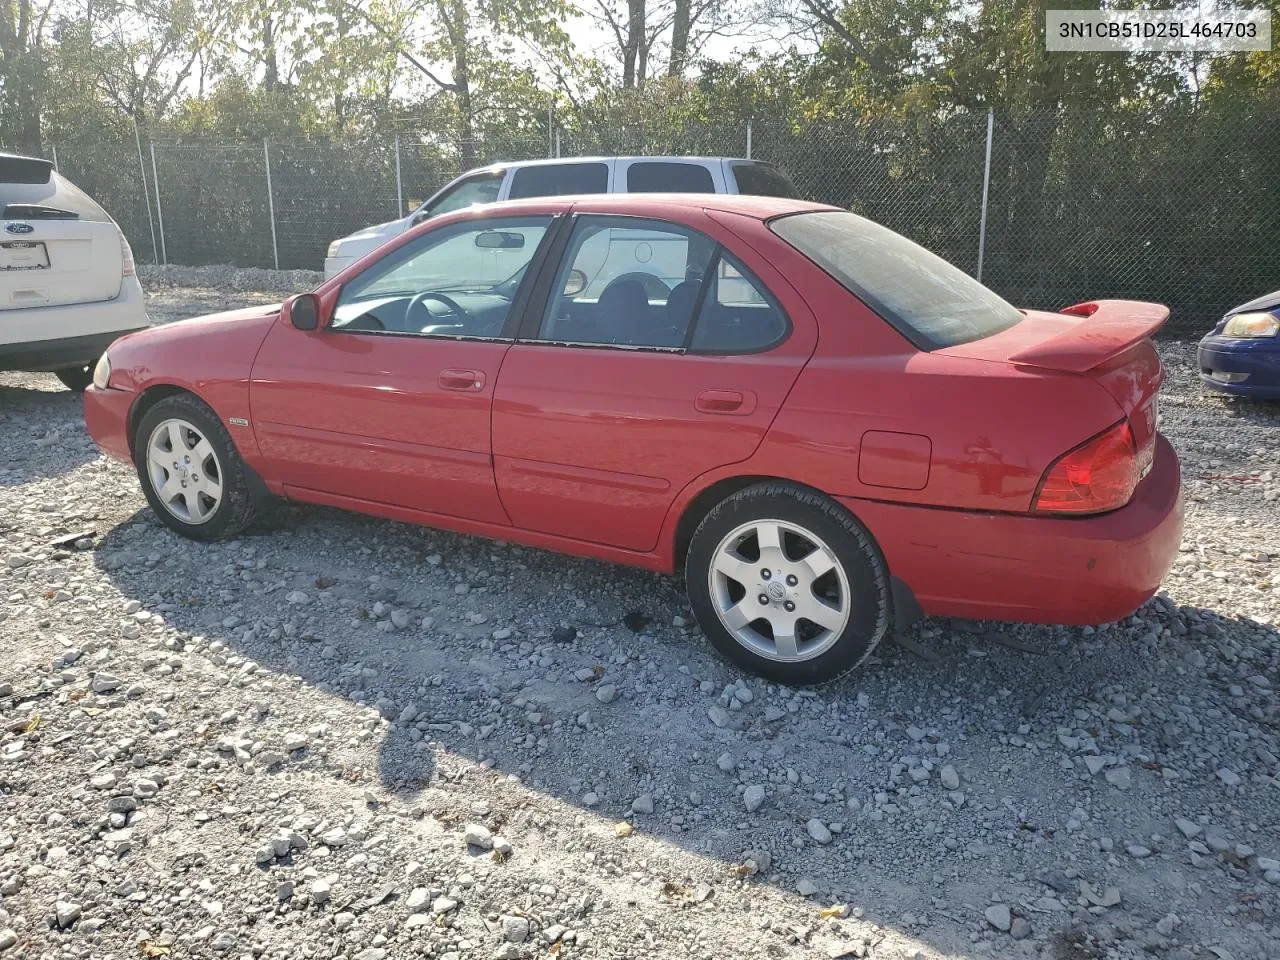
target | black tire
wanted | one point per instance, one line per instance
(235, 510)
(76, 379)
(870, 597)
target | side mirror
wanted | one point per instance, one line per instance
(304, 311)
(419, 217)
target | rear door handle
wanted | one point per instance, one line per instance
(457, 378)
(738, 402)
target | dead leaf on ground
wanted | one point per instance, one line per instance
(623, 829)
(149, 948)
(31, 724)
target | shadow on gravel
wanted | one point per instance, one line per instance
(42, 430)
(626, 715)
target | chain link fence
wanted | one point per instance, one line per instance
(1183, 208)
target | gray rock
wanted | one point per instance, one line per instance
(606, 693)
(1119, 777)
(1020, 929)
(818, 830)
(999, 916)
(515, 929)
(7, 939)
(321, 891)
(1229, 776)
(477, 835)
(950, 779)
(418, 899)
(443, 905)
(719, 716)
(66, 912)
(642, 803)
(1187, 828)
(753, 797)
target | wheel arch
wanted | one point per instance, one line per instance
(147, 399)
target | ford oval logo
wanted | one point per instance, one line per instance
(20, 228)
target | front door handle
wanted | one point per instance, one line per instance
(457, 378)
(738, 402)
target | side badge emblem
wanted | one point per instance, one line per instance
(238, 421)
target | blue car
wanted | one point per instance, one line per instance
(1241, 355)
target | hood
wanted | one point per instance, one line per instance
(226, 324)
(370, 237)
(1268, 301)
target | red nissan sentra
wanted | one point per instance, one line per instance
(828, 428)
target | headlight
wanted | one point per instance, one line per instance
(1252, 325)
(102, 372)
(333, 249)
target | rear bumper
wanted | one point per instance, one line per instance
(51, 338)
(106, 417)
(1257, 360)
(991, 566)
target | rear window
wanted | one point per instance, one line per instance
(558, 179)
(55, 198)
(763, 180)
(653, 176)
(932, 303)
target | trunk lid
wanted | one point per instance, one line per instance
(1107, 341)
(57, 246)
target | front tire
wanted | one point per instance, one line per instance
(787, 584)
(76, 379)
(191, 473)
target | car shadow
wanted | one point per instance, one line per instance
(464, 646)
(42, 423)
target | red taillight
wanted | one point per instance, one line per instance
(1096, 476)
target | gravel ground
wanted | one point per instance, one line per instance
(346, 737)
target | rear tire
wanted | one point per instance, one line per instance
(190, 470)
(76, 379)
(787, 584)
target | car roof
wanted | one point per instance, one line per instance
(654, 204)
(555, 161)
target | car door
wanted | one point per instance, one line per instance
(390, 403)
(612, 401)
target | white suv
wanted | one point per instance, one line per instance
(67, 281)
(548, 178)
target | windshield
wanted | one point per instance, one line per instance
(931, 302)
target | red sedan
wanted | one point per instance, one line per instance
(829, 429)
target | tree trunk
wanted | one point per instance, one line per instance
(271, 63)
(634, 56)
(459, 35)
(22, 92)
(679, 39)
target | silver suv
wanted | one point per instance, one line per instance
(548, 178)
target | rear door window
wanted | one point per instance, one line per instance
(559, 179)
(662, 176)
(763, 180)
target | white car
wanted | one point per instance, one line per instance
(547, 178)
(67, 281)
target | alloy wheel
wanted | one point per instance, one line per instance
(184, 471)
(779, 590)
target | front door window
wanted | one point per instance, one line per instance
(459, 281)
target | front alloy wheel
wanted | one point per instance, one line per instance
(184, 471)
(191, 472)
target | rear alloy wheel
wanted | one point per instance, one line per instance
(787, 584)
(190, 470)
(76, 379)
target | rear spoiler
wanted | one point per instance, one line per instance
(1108, 329)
